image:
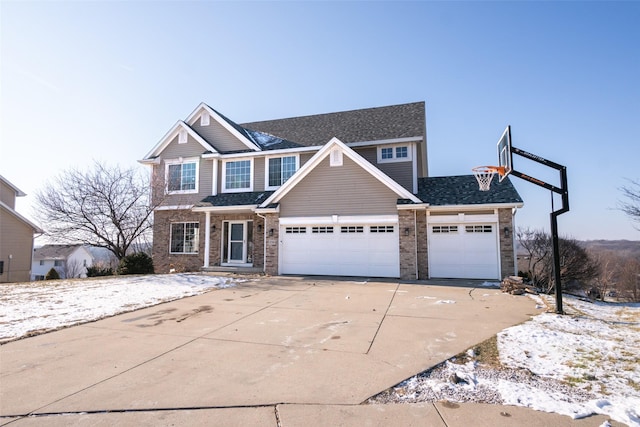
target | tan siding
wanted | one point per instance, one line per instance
(304, 157)
(342, 190)
(258, 173)
(7, 195)
(191, 149)
(17, 240)
(401, 172)
(218, 136)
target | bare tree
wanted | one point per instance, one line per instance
(632, 205)
(74, 269)
(630, 279)
(105, 206)
(577, 267)
(609, 265)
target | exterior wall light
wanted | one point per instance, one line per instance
(406, 231)
(271, 232)
(506, 232)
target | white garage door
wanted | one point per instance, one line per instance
(463, 251)
(340, 250)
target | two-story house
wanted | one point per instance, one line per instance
(16, 236)
(344, 193)
(70, 261)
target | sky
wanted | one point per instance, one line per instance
(83, 81)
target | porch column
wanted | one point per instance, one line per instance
(207, 237)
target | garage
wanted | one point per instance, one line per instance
(364, 248)
(464, 251)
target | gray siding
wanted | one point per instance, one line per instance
(7, 195)
(189, 150)
(401, 172)
(258, 173)
(218, 136)
(17, 241)
(304, 157)
(341, 190)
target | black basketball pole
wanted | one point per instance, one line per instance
(563, 190)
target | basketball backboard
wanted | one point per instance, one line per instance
(505, 156)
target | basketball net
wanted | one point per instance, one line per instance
(484, 175)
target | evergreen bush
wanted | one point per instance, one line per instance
(52, 274)
(137, 263)
(98, 271)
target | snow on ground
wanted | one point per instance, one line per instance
(578, 364)
(32, 307)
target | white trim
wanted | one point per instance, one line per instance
(414, 164)
(171, 134)
(340, 219)
(205, 119)
(461, 218)
(207, 238)
(223, 188)
(358, 159)
(197, 246)
(150, 162)
(183, 137)
(475, 207)
(267, 187)
(281, 152)
(173, 207)
(181, 161)
(196, 114)
(214, 178)
(394, 149)
(218, 209)
(412, 206)
(13, 212)
(19, 193)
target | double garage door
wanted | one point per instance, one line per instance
(463, 251)
(354, 249)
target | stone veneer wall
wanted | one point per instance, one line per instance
(507, 260)
(406, 220)
(423, 251)
(163, 261)
(272, 223)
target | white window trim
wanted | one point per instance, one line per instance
(181, 161)
(224, 176)
(394, 158)
(205, 119)
(268, 187)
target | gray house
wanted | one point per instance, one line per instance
(344, 193)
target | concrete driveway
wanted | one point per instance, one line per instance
(272, 351)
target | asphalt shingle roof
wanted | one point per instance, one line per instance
(54, 251)
(235, 199)
(463, 190)
(370, 124)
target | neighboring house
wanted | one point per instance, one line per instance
(344, 193)
(16, 236)
(70, 261)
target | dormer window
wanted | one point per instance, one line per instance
(394, 153)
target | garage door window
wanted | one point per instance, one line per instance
(444, 229)
(381, 229)
(352, 229)
(295, 230)
(478, 228)
(322, 229)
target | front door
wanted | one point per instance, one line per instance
(237, 248)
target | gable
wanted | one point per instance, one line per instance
(338, 190)
(179, 132)
(219, 131)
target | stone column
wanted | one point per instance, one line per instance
(408, 249)
(272, 228)
(506, 235)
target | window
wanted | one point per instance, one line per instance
(381, 229)
(280, 169)
(1, 267)
(182, 177)
(322, 230)
(184, 238)
(41, 262)
(352, 229)
(57, 263)
(295, 230)
(394, 153)
(478, 228)
(237, 175)
(444, 229)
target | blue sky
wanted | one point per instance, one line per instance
(105, 80)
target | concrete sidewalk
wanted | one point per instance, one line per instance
(279, 351)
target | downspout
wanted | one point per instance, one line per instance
(207, 237)
(264, 242)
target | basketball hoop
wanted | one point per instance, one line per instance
(484, 175)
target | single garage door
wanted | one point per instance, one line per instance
(464, 251)
(340, 250)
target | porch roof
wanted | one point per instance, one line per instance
(234, 199)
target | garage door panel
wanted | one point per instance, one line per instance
(461, 251)
(349, 251)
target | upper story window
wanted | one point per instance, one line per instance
(237, 175)
(182, 176)
(394, 153)
(279, 170)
